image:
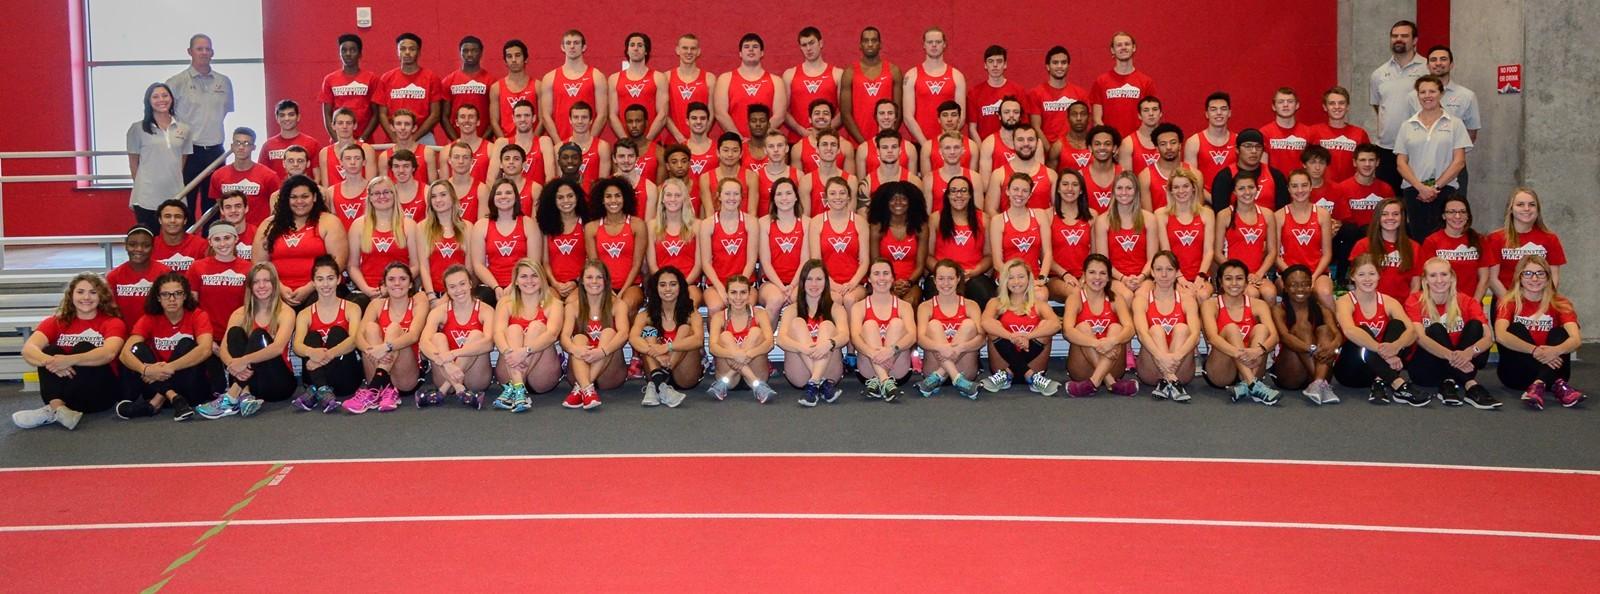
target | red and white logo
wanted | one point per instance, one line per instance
(572, 88)
(1151, 158)
(812, 85)
(1072, 236)
(1304, 236)
(1023, 244)
(459, 337)
(1517, 253)
(447, 249)
(992, 109)
(963, 236)
(1186, 237)
(507, 247)
(138, 289)
(871, 88)
(351, 211)
(1288, 143)
(1054, 105)
(1374, 327)
(786, 244)
(382, 244)
(1166, 322)
(634, 89)
(697, 167)
(88, 335)
(411, 91)
(293, 239)
(1250, 235)
(1128, 241)
(1538, 323)
(226, 278)
(732, 246)
(898, 252)
(1099, 326)
(1082, 159)
(177, 262)
(751, 89)
(350, 89)
(672, 246)
(686, 92)
(1021, 328)
(1102, 198)
(1219, 157)
(243, 250)
(1338, 143)
(243, 186)
(168, 343)
(840, 244)
(1126, 91)
(935, 87)
(566, 245)
(470, 87)
(612, 248)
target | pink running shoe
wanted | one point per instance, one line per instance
(1534, 395)
(362, 401)
(1080, 388)
(1568, 395)
(1125, 387)
(388, 399)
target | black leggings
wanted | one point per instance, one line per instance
(343, 374)
(270, 380)
(980, 288)
(1345, 239)
(90, 389)
(1519, 370)
(1429, 371)
(1018, 361)
(1356, 366)
(189, 383)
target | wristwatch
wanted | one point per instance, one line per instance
(1312, 350)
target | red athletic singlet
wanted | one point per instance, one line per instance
(1024, 244)
(809, 157)
(901, 253)
(383, 251)
(1143, 156)
(680, 93)
(1188, 243)
(502, 250)
(1099, 196)
(744, 92)
(444, 253)
(457, 332)
(1076, 158)
(1247, 242)
(865, 93)
(841, 254)
(294, 252)
(1165, 321)
(804, 89)
(950, 324)
(565, 254)
(467, 205)
(641, 92)
(1127, 249)
(509, 99)
(1246, 322)
(1300, 243)
(1099, 322)
(677, 251)
(728, 248)
(615, 250)
(1070, 244)
(936, 193)
(928, 93)
(1043, 190)
(348, 207)
(787, 248)
(964, 246)
(764, 181)
(1211, 159)
(566, 92)
(1020, 323)
(323, 327)
(1375, 323)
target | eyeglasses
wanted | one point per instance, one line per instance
(243, 143)
(1455, 211)
(1535, 273)
(179, 294)
(960, 190)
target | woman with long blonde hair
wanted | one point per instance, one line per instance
(441, 237)
(1020, 326)
(1452, 337)
(255, 349)
(381, 236)
(525, 331)
(1538, 332)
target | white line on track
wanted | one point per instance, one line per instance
(1047, 457)
(819, 517)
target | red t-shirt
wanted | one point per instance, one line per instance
(412, 92)
(130, 288)
(1533, 242)
(1539, 325)
(1051, 105)
(1118, 97)
(93, 331)
(272, 152)
(983, 105)
(1341, 144)
(1464, 257)
(178, 257)
(1470, 310)
(221, 286)
(257, 183)
(1354, 203)
(359, 93)
(1284, 145)
(163, 335)
(468, 89)
(1392, 280)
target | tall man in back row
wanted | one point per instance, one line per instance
(814, 79)
(749, 84)
(572, 83)
(1117, 92)
(203, 98)
(1391, 92)
(930, 84)
(871, 79)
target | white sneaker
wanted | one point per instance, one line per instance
(650, 396)
(68, 418)
(999, 380)
(1328, 395)
(670, 396)
(1043, 385)
(1313, 392)
(35, 417)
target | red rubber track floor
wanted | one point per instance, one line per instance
(802, 523)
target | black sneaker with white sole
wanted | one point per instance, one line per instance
(1405, 394)
(1479, 397)
(181, 410)
(1378, 394)
(133, 409)
(1450, 393)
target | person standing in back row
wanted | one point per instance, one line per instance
(1116, 94)
(1390, 94)
(861, 87)
(1431, 152)
(569, 84)
(411, 87)
(1457, 100)
(204, 97)
(931, 83)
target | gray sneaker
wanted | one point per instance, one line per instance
(764, 392)
(36, 417)
(997, 381)
(650, 396)
(1328, 395)
(1043, 385)
(670, 396)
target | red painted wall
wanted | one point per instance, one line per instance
(1190, 48)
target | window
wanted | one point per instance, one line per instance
(133, 44)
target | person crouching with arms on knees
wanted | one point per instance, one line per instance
(1239, 330)
(163, 353)
(1375, 349)
(1452, 337)
(741, 338)
(1309, 334)
(811, 332)
(1538, 331)
(948, 333)
(668, 335)
(73, 350)
(1164, 317)
(1019, 327)
(457, 338)
(596, 325)
(331, 366)
(255, 349)
(1099, 332)
(883, 329)
(388, 337)
(525, 330)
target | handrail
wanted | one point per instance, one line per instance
(63, 178)
(58, 154)
(61, 240)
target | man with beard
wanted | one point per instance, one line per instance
(1391, 92)
(1000, 148)
(635, 126)
(805, 155)
(625, 162)
(1153, 180)
(1028, 160)
(872, 79)
(1054, 98)
(1273, 187)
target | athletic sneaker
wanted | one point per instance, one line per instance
(719, 389)
(432, 397)
(1240, 391)
(181, 410)
(1534, 395)
(520, 402)
(330, 402)
(930, 384)
(474, 398)
(666, 393)
(68, 418)
(763, 390)
(574, 398)
(1313, 392)
(506, 399)
(965, 387)
(221, 406)
(891, 390)
(1450, 393)
(874, 388)
(591, 398)
(1328, 395)
(1259, 392)
(1179, 393)
(1377, 394)
(809, 399)
(830, 392)
(36, 417)
(997, 381)
(1081, 388)
(636, 368)
(388, 398)
(1405, 394)
(307, 400)
(1480, 398)
(650, 398)
(1568, 395)
(1125, 387)
(249, 404)
(365, 399)
(1161, 390)
(1043, 385)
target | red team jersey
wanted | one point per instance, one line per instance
(983, 105)
(272, 152)
(743, 93)
(1392, 280)
(928, 93)
(1355, 203)
(640, 91)
(1341, 144)
(1539, 324)
(359, 92)
(1070, 244)
(680, 93)
(1534, 242)
(509, 100)
(1118, 97)
(1471, 311)
(93, 331)
(1301, 242)
(865, 94)
(130, 288)
(1075, 158)
(221, 287)
(566, 92)
(461, 89)
(256, 183)
(1051, 105)
(805, 89)
(1211, 159)
(413, 92)
(189, 250)
(163, 336)
(1464, 257)
(1284, 145)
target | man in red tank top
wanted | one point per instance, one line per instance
(1027, 159)
(754, 152)
(983, 99)
(1072, 150)
(1138, 150)
(625, 165)
(686, 85)
(539, 165)
(595, 162)
(515, 87)
(702, 149)
(569, 84)
(1285, 136)
(950, 120)
(353, 88)
(468, 85)
(814, 79)
(1116, 93)
(1211, 150)
(889, 168)
(287, 113)
(467, 122)
(758, 182)
(748, 85)
(999, 148)
(410, 86)
(1338, 135)
(635, 127)
(1050, 101)
(804, 155)
(932, 82)
(870, 80)
(636, 84)
(1153, 180)
(1103, 169)
(728, 165)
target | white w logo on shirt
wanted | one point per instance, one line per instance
(293, 239)
(1186, 237)
(382, 244)
(634, 89)
(1072, 236)
(506, 247)
(1303, 236)
(962, 237)
(840, 244)
(898, 252)
(732, 246)
(871, 88)
(786, 244)
(351, 211)
(459, 337)
(613, 249)
(672, 246)
(1023, 244)
(447, 250)
(565, 246)
(1102, 198)
(572, 88)
(686, 92)
(1219, 157)
(812, 85)
(1250, 234)
(1082, 159)
(1128, 242)
(935, 86)
(751, 89)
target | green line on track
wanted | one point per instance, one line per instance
(212, 531)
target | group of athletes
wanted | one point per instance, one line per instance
(526, 250)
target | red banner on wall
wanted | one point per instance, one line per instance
(1509, 79)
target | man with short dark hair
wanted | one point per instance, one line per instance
(637, 86)
(1390, 94)
(1028, 159)
(569, 84)
(999, 148)
(287, 113)
(352, 88)
(862, 86)
(983, 99)
(1072, 150)
(411, 87)
(1272, 186)
(1211, 150)
(748, 86)
(687, 85)
(1138, 150)
(515, 87)
(245, 176)
(1286, 137)
(1153, 180)
(811, 81)
(595, 161)
(537, 150)
(202, 98)
(636, 124)
(1338, 135)
(1051, 100)
(468, 85)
